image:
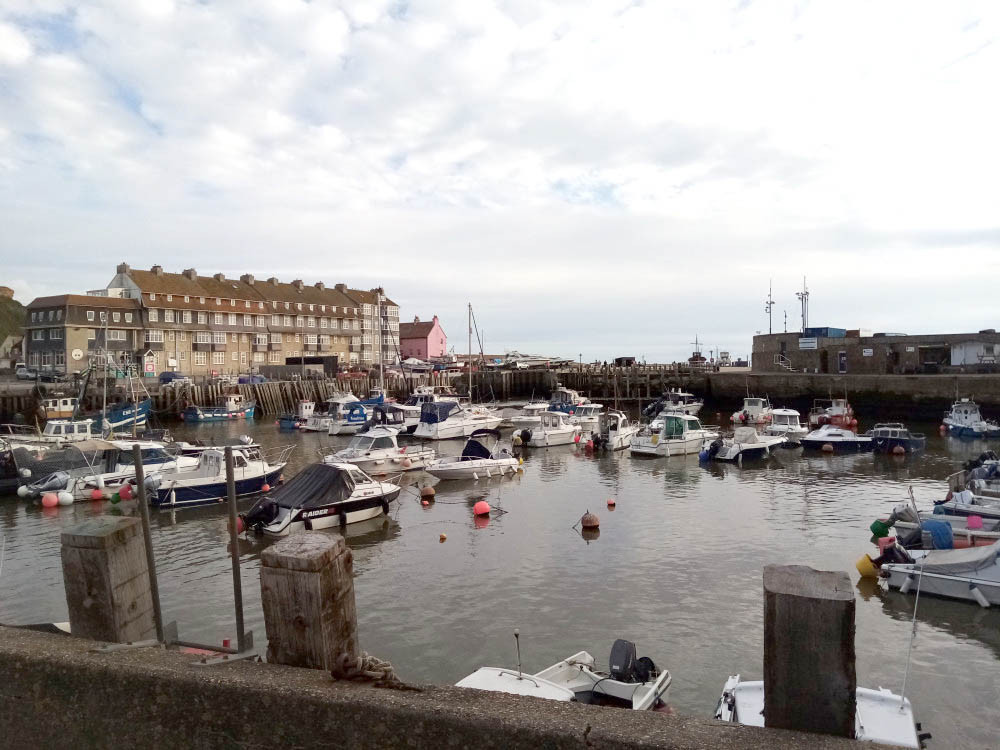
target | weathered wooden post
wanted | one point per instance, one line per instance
(809, 674)
(107, 580)
(307, 591)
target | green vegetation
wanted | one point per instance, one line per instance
(12, 315)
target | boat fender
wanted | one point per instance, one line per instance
(307, 524)
(525, 436)
(343, 519)
(385, 506)
(978, 596)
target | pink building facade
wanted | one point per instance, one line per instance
(422, 340)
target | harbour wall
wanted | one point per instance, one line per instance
(57, 692)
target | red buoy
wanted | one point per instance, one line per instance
(96, 494)
(265, 487)
(50, 500)
(424, 503)
(241, 525)
(576, 438)
(482, 508)
(611, 503)
(125, 492)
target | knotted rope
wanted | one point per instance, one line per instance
(368, 667)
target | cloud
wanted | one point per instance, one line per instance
(592, 177)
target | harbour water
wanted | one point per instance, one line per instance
(676, 568)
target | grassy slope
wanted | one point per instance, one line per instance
(11, 317)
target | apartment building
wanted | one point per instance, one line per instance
(379, 341)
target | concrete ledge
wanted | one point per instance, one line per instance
(55, 693)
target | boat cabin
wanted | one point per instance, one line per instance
(61, 407)
(376, 439)
(678, 425)
(553, 420)
(754, 406)
(565, 399)
(587, 410)
(65, 429)
(534, 410)
(785, 417)
(680, 398)
(965, 411)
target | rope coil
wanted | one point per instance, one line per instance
(367, 667)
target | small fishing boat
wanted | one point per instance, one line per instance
(376, 450)
(587, 416)
(745, 444)
(565, 399)
(937, 530)
(320, 496)
(880, 716)
(448, 419)
(393, 416)
(893, 437)
(306, 409)
(675, 434)
(964, 420)
(786, 423)
(968, 503)
(674, 401)
(833, 411)
(529, 415)
(755, 411)
(614, 431)
(970, 574)
(554, 428)
(230, 406)
(832, 439)
(632, 683)
(60, 407)
(350, 417)
(481, 457)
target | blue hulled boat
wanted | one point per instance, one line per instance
(965, 421)
(893, 437)
(231, 406)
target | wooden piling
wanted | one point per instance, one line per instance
(107, 580)
(809, 669)
(307, 593)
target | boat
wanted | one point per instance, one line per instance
(321, 496)
(350, 417)
(967, 503)
(375, 396)
(376, 450)
(424, 394)
(60, 407)
(744, 445)
(587, 416)
(927, 530)
(554, 428)
(529, 416)
(448, 419)
(893, 437)
(307, 409)
(481, 457)
(971, 574)
(786, 423)
(674, 400)
(632, 683)
(754, 411)
(614, 431)
(834, 411)
(565, 399)
(393, 416)
(964, 420)
(880, 716)
(229, 406)
(675, 434)
(830, 438)
(205, 483)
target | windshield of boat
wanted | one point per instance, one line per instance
(673, 426)
(149, 456)
(786, 419)
(360, 443)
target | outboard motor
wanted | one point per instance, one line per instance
(715, 447)
(622, 663)
(525, 436)
(54, 482)
(261, 514)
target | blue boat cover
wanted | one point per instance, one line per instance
(474, 450)
(438, 412)
(941, 533)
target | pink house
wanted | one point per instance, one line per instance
(422, 340)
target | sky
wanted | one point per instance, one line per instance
(596, 178)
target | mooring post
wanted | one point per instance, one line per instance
(234, 548)
(307, 593)
(107, 580)
(147, 538)
(809, 672)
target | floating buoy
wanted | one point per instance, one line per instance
(576, 438)
(611, 503)
(482, 508)
(240, 525)
(898, 450)
(703, 455)
(590, 445)
(50, 500)
(96, 494)
(265, 487)
(827, 448)
(125, 492)
(516, 440)
(866, 567)
(65, 498)
(427, 492)
(115, 498)
(590, 520)
(424, 503)
(22, 491)
(442, 538)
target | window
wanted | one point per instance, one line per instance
(260, 338)
(325, 341)
(152, 296)
(236, 356)
(154, 337)
(258, 357)
(202, 318)
(333, 322)
(232, 319)
(300, 321)
(218, 358)
(288, 320)
(296, 338)
(154, 315)
(260, 305)
(232, 303)
(218, 300)
(243, 358)
(275, 338)
(310, 338)
(91, 334)
(236, 338)
(261, 321)
(128, 317)
(312, 321)
(186, 316)
(276, 320)
(34, 317)
(274, 357)
(324, 323)
(116, 335)
(183, 355)
(298, 305)
(248, 303)
(182, 336)
(286, 305)
(219, 337)
(203, 337)
(170, 336)
(201, 300)
(248, 320)
(90, 315)
(168, 316)
(218, 319)
(187, 298)
(38, 335)
(170, 298)
(55, 334)
(367, 309)
(288, 338)
(201, 358)
(245, 337)
(104, 316)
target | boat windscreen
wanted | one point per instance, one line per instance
(315, 486)
(438, 412)
(475, 450)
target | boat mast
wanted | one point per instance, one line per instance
(378, 323)
(768, 304)
(104, 383)
(469, 364)
(804, 299)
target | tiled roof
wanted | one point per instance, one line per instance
(419, 330)
(368, 297)
(61, 300)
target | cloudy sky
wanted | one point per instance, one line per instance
(601, 178)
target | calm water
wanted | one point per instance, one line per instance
(676, 568)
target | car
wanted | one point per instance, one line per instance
(26, 373)
(251, 379)
(52, 376)
(174, 379)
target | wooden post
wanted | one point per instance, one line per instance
(107, 580)
(809, 672)
(307, 592)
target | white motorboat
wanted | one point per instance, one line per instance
(971, 574)
(529, 415)
(675, 434)
(481, 457)
(447, 419)
(587, 416)
(349, 418)
(880, 716)
(425, 394)
(674, 401)
(632, 683)
(566, 399)
(614, 431)
(755, 411)
(968, 503)
(833, 411)
(554, 428)
(319, 497)
(839, 440)
(312, 419)
(787, 424)
(745, 444)
(965, 421)
(377, 451)
(394, 416)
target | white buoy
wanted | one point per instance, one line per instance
(22, 491)
(65, 498)
(907, 584)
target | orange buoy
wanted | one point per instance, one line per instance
(424, 503)
(611, 503)
(427, 492)
(590, 520)
(482, 508)
(827, 448)
(96, 494)
(265, 487)
(442, 538)
(50, 500)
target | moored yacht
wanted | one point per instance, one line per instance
(674, 400)
(376, 450)
(744, 445)
(965, 421)
(554, 428)
(675, 434)
(785, 423)
(481, 457)
(893, 437)
(229, 406)
(350, 417)
(832, 439)
(614, 431)
(587, 416)
(529, 416)
(833, 411)
(448, 419)
(755, 411)
(566, 399)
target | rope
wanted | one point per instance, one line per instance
(366, 667)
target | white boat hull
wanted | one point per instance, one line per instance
(985, 582)
(326, 522)
(548, 438)
(486, 468)
(456, 427)
(652, 445)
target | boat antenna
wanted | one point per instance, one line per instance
(768, 305)
(517, 644)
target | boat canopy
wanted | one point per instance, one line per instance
(439, 411)
(958, 561)
(316, 486)
(474, 449)
(745, 435)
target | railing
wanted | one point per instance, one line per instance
(782, 361)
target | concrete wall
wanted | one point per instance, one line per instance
(56, 693)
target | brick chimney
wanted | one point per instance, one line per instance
(320, 285)
(298, 284)
(273, 281)
(191, 274)
(341, 288)
(247, 278)
(157, 270)
(416, 319)
(122, 268)
(219, 277)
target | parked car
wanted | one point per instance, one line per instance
(52, 376)
(222, 380)
(174, 379)
(251, 379)
(26, 373)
